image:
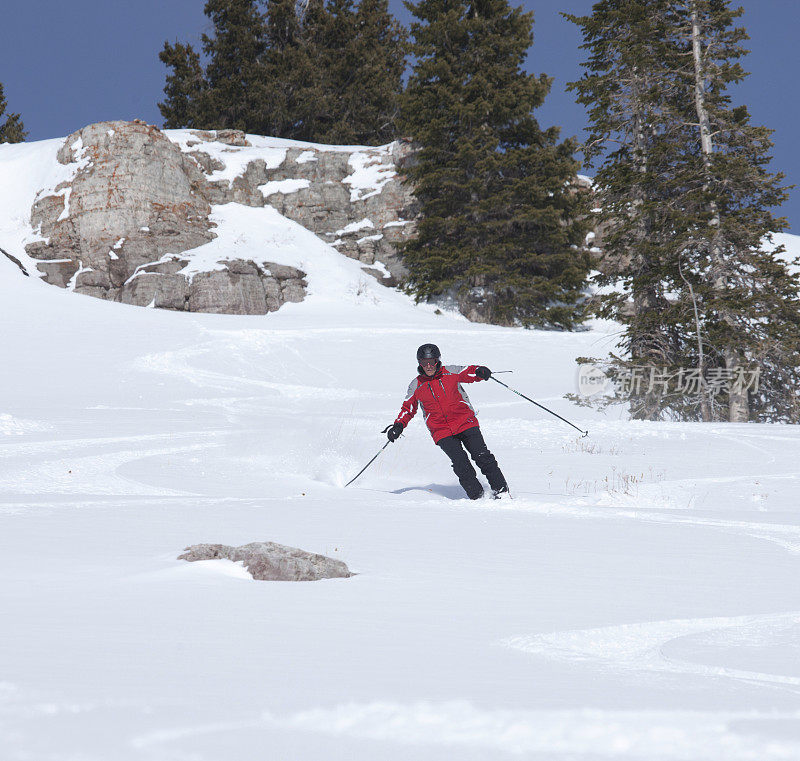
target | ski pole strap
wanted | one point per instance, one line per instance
(367, 465)
(541, 406)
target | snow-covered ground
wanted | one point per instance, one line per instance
(637, 599)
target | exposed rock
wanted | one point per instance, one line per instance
(293, 291)
(134, 197)
(333, 208)
(60, 272)
(243, 189)
(267, 561)
(244, 288)
(207, 163)
(93, 279)
(228, 136)
(160, 290)
(327, 197)
(124, 226)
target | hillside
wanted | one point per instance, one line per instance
(637, 598)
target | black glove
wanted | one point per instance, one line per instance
(484, 373)
(393, 431)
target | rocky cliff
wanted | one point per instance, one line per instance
(132, 208)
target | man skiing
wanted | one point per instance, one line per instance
(451, 419)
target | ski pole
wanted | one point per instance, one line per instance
(585, 433)
(367, 465)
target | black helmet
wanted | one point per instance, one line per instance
(428, 351)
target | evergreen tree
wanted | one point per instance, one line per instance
(623, 89)
(728, 201)
(233, 96)
(291, 70)
(312, 71)
(228, 93)
(364, 51)
(499, 223)
(335, 73)
(696, 221)
(184, 88)
(12, 130)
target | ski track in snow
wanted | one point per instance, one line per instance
(58, 446)
(785, 536)
(643, 647)
(457, 726)
(59, 468)
(92, 474)
(178, 364)
(566, 734)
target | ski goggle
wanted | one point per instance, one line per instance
(428, 362)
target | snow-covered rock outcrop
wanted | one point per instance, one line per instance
(129, 213)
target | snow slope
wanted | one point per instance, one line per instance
(637, 599)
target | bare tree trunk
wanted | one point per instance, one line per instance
(705, 410)
(738, 403)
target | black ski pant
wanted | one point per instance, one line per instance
(472, 439)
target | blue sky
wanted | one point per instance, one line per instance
(65, 65)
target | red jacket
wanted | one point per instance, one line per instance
(445, 404)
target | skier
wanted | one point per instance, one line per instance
(451, 419)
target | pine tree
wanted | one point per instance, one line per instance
(12, 130)
(184, 88)
(686, 196)
(499, 225)
(228, 92)
(364, 52)
(292, 70)
(728, 205)
(309, 71)
(623, 89)
(334, 73)
(233, 97)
